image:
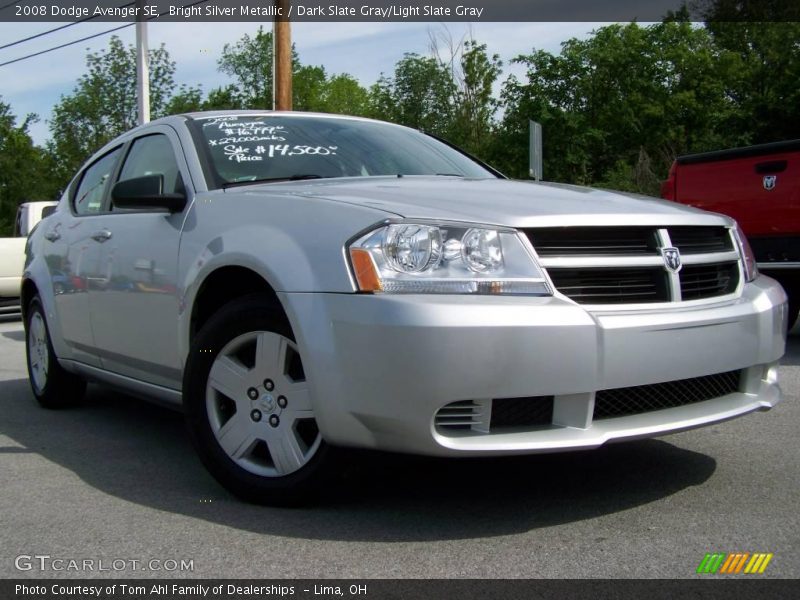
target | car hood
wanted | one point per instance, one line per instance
(493, 201)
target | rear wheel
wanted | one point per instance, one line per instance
(53, 386)
(249, 407)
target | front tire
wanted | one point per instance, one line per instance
(248, 406)
(53, 386)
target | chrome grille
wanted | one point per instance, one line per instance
(623, 265)
(594, 241)
(708, 281)
(636, 400)
(612, 286)
(700, 240)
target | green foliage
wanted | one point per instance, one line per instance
(103, 104)
(764, 71)
(420, 95)
(187, 99)
(23, 168)
(450, 96)
(308, 88)
(475, 105)
(222, 98)
(249, 63)
(626, 100)
(344, 95)
(616, 107)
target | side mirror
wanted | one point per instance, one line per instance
(146, 193)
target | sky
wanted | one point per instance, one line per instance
(365, 50)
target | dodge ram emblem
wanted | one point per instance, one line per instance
(672, 259)
(770, 181)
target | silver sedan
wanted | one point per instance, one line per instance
(297, 283)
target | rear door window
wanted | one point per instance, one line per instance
(89, 197)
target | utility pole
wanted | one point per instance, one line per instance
(142, 67)
(281, 58)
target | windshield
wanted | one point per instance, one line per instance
(246, 148)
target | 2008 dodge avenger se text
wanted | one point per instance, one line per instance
(299, 282)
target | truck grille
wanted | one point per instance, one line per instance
(622, 402)
(623, 265)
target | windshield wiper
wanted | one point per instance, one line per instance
(297, 177)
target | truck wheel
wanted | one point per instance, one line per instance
(248, 406)
(53, 386)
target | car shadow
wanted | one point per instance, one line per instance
(141, 453)
(18, 335)
(792, 356)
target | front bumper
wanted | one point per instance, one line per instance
(380, 367)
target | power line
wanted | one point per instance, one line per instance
(83, 39)
(5, 6)
(89, 37)
(33, 37)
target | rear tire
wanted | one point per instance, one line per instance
(53, 386)
(248, 406)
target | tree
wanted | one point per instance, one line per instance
(187, 99)
(103, 104)
(24, 168)
(308, 88)
(249, 63)
(420, 94)
(449, 93)
(617, 107)
(475, 105)
(344, 95)
(762, 44)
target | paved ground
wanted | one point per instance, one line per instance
(117, 479)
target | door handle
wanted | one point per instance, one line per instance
(102, 235)
(52, 236)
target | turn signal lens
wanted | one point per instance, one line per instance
(365, 271)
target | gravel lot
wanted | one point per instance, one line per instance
(116, 479)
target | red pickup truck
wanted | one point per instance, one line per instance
(759, 186)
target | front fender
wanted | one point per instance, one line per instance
(294, 244)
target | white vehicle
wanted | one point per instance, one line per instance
(12, 252)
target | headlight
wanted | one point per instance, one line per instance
(748, 258)
(425, 258)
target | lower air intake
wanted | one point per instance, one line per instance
(512, 413)
(622, 402)
(459, 416)
(495, 416)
